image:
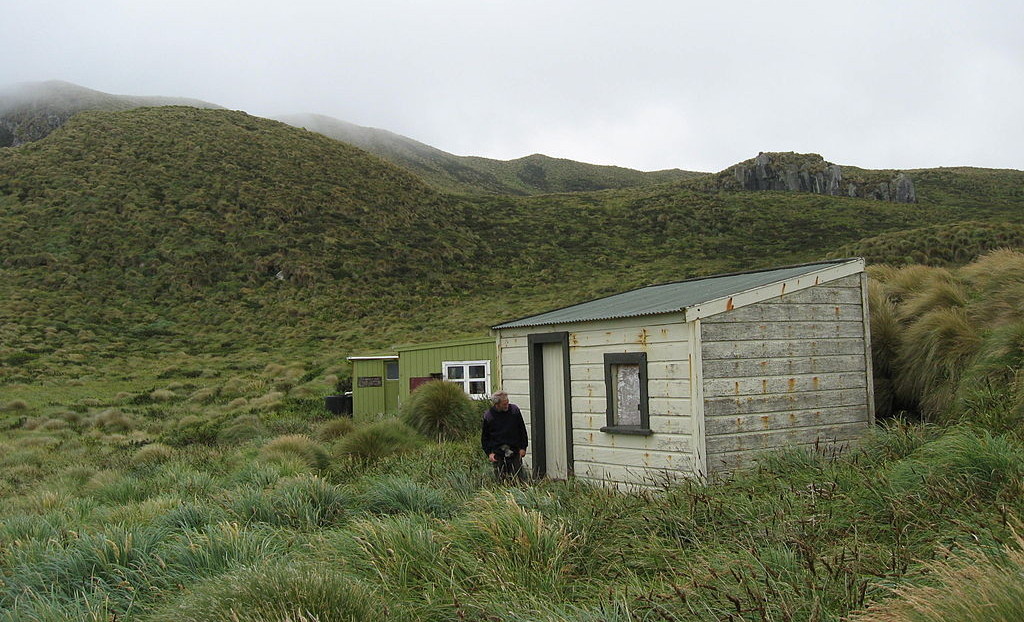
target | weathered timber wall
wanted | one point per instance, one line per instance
(617, 458)
(788, 372)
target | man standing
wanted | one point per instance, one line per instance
(503, 438)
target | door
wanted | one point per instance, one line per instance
(551, 413)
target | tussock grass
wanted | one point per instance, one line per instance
(296, 446)
(279, 591)
(152, 455)
(441, 410)
(334, 429)
(402, 495)
(968, 587)
(377, 440)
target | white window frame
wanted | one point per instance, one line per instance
(464, 382)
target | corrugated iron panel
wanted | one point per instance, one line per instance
(667, 297)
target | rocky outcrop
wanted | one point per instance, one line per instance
(810, 172)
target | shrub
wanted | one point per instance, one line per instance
(377, 440)
(441, 410)
(296, 446)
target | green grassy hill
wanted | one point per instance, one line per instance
(30, 111)
(535, 174)
(160, 231)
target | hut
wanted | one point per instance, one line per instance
(694, 378)
(381, 382)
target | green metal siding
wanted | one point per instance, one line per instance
(418, 361)
(373, 400)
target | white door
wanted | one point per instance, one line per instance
(556, 458)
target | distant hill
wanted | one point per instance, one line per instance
(535, 174)
(31, 110)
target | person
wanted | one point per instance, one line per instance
(504, 438)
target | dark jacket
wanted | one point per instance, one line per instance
(503, 428)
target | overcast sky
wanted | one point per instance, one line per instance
(647, 84)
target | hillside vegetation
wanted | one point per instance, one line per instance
(535, 174)
(178, 290)
(168, 232)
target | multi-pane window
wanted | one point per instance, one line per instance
(625, 377)
(473, 376)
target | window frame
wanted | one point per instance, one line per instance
(611, 359)
(466, 380)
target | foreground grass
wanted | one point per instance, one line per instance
(157, 507)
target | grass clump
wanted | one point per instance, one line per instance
(334, 429)
(296, 446)
(441, 410)
(279, 591)
(152, 455)
(970, 587)
(401, 495)
(378, 440)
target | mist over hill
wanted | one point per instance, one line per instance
(534, 174)
(30, 111)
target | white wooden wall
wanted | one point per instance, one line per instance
(793, 371)
(618, 458)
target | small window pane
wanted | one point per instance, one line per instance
(477, 371)
(455, 373)
(627, 394)
(477, 387)
(391, 370)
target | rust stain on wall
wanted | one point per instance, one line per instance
(764, 386)
(766, 421)
(728, 305)
(643, 336)
(792, 385)
(815, 382)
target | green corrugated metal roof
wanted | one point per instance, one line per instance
(667, 297)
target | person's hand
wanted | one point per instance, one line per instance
(522, 453)
(492, 458)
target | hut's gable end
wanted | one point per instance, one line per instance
(787, 372)
(667, 452)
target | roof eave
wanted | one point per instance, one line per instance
(773, 290)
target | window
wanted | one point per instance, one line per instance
(625, 383)
(391, 370)
(474, 376)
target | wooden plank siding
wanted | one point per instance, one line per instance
(618, 458)
(786, 372)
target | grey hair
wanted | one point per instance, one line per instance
(497, 396)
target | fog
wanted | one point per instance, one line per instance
(646, 84)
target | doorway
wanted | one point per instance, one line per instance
(550, 405)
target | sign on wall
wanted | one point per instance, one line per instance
(369, 381)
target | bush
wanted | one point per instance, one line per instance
(114, 420)
(296, 446)
(441, 410)
(378, 440)
(192, 429)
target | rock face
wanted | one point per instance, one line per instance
(811, 173)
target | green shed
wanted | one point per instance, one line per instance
(381, 382)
